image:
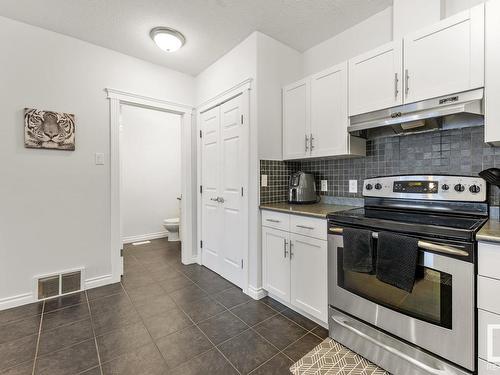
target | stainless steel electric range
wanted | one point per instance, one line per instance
(432, 329)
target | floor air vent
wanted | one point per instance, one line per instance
(59, 284)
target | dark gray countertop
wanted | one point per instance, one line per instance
(314, 210)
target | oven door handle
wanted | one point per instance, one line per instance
(444, 249)
(431, 370)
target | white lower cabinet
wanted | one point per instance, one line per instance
(488, 290)
(294, 267)
(309, 275)
(276, 270)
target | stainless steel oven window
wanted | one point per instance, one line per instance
(430, 300)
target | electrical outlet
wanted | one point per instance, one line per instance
(263, 180)
(99, 158)
(353, 186)
(324, 185)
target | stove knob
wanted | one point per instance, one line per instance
(474, 189)
(369, 186)
(445, 187)
(378, 186)
(459, 188)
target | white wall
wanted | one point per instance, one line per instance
(55, 204)
(277, 65)
(234, 67)
(454, 6)
(151, 166)
(360, 38)
(411, 15)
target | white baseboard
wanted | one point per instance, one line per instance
(145, 237)
(14, 301)
(26, 298)
(256, 293)
(98, 281)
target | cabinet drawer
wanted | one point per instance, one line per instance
(486, 368)
(485, 320)
(276, 220)
(487, 294)
(308, 226)
(489, 260)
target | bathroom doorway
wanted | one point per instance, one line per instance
(151, 174)
(127, 102)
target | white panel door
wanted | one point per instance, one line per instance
(375, 80)
(233, 164)
(445, 58)
(212, 228)
(309, 275)
(276, 262)
(329, 119)
(296, 120)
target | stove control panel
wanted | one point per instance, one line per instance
(449, 188)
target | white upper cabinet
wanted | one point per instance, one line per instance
(315, 117)
(445, 58)
(296, 119)
(375, 79)
(328, 135)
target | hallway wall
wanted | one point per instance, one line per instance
(151, 166)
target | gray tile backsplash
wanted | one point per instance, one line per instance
(456, 151)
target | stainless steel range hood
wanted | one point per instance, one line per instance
(431, 114)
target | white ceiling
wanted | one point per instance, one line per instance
(211, 27)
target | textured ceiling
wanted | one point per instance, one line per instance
(211, 27)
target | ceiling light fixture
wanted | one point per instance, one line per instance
(167, 39)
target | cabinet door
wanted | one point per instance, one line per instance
(445, 58)
(329, 120)
(375, 79)
(276, 262)
(296, 120)
(309, 275)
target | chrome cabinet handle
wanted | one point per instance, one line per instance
(304, 227)
(311, 144)
(407, 79)
(444, 249)
(285, 251)
(273, 220)
(396, 81)
(291, 252)
(307, 143)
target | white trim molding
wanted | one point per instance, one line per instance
(146, 101)
(118, 98)
(14, 301)
(145, 237)
(225, 95)
(98, 281)
(256, 293)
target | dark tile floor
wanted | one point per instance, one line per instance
(163, 318)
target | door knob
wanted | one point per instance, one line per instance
(220, 199)
(215, 199)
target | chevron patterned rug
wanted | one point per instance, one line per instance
(331, 358)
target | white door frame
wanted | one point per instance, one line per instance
(243, 88)
(117, 99)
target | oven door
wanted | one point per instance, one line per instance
(438, 315)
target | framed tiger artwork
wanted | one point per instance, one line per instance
(49, 130)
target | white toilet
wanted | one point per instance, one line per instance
(172, 227)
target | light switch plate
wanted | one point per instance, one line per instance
(324, 185)
(353, 186)
(99, 158)
(263, 180)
